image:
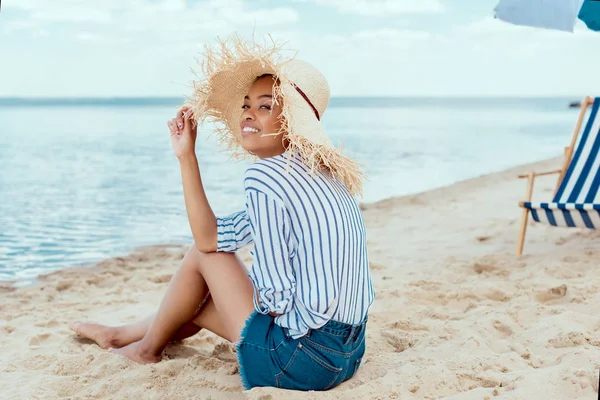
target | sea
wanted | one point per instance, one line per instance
(83, 180)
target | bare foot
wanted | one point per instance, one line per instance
(105, 336)
(135, 352)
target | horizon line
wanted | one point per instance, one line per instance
(430, 96)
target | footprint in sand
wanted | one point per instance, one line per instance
(64, 285)
(39, 339)
(8, 329)
(407, 325)
(93, 280)
(472, 305)
(49, 324)
(473, 381)
(480, 268)
(502, 327)
(484, 268)
(161, 278)
(496, 295)
(552, 293)
(525, 354)
(399, 341)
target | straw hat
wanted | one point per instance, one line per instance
(229, 71)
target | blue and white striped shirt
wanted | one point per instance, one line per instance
(309, 261)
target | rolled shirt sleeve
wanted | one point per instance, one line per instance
(233, 232)
(272, 272)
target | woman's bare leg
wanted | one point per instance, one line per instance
(232, 296)
(112, 336)
(230, 306)
(186, 292)
(116, 337)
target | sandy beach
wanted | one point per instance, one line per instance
(457, 316)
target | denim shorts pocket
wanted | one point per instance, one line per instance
(307, 370)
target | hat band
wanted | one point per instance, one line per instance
(307, 100)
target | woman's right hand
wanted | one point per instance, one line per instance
(183, 133)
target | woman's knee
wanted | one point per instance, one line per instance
(196, 259)
(199, 261)
(192, 258)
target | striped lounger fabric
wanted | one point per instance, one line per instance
(577, 201)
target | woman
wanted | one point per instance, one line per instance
(298, 316)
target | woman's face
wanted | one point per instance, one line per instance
(260, 117)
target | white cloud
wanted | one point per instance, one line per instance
(76, 15)
(134, 47)
(61, 5)
(148, 47)
(88, 37)
(156, 16)
(383, 7)
(486, 57)
(392, 35)
(18, 25)
(490, 25)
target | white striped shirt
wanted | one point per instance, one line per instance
(309, 261)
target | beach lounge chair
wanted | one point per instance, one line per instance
(576, 201)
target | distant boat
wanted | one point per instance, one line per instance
(575, 104)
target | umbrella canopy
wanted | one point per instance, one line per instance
(590, 14)
(550, 14)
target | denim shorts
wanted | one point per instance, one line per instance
(320, 360)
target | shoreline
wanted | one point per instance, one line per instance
(26, 282)
(456, 315)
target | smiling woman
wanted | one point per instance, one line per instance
(261, 119)
(298, 316)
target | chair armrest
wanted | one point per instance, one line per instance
(557, 171)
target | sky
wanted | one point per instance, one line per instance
(85, 48)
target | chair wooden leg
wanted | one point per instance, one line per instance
(525, 217)
(521, 241)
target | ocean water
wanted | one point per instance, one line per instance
(82, 180)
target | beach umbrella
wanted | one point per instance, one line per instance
(590, 14)
(551, 14)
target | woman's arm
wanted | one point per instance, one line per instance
(200, 216)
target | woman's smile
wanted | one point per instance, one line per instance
(249, 129)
